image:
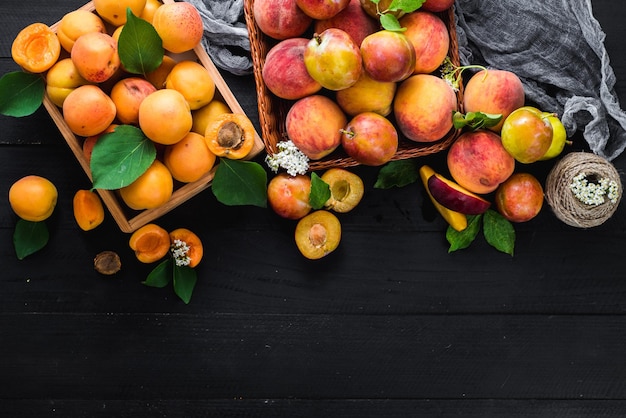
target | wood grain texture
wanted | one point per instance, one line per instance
(390, 325)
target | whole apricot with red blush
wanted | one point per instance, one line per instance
(88, 110)
(179, 25)
(127, 94)
(95, 56)
(288, 195)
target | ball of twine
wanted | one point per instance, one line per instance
(565, 204)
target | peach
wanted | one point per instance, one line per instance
(494, 91)
(437, 5)
(457, 220)
(388, 56)
(95, 56)
(280, 19)
(76, 23)
(61, 80)
(322, 9)
(430, 38)
(127, 94)
(288, 196)
(478, 162)
(455, 197)
(520, 197)
(114, 11)
(284, 72)
(369, 138)
(179, 25)
(352, 19)
(88, 110)
(367, 95)
(314, 125)
(423, 107)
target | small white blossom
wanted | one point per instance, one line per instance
(288, 157)
(591, 193)
(180, 253)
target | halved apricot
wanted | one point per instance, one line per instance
(189, 246)
(150, 243)
(88, 209)
(230, 135)
(36, 48)
(318, 234)
(346, 189)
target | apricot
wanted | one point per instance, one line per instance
(288, 196)
(158, 76)
(150, 243)
(61, 79)
(33, 198)
(318, 234)
(206, 114)
(127, 94)
(76, 23)
(193, 81)
(179, 25)
(114, 11)
(188, 239)
(95, 56)
(148, 10)
(189, 159)
(88, 110)
(88, 209)
(165, 116)
(36, 48)
(230, 135)
(346, 189)
(151, 189)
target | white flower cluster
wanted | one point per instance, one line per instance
(180, 251)
(591, 193)
(288, 157)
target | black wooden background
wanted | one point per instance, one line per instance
(389, 325)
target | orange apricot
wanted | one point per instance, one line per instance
(33, 198)
(150, 243)
(114, 11)
(127, 94)
(318, 234)
(36, 48)
(165, 116)
(88, 209)
(207, 113)
(193, 81)
(230, 135)
(158, 76)
(76, 23)
(179, 25)
(151, 189)
(148, 11)
(189, 245)
(95, 56)
(189, 159)
(88, 110)
(61, 79)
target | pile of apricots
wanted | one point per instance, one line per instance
(175, 105)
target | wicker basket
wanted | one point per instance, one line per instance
(129, 220)
(273, 110)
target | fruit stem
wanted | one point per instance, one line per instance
(452, 73)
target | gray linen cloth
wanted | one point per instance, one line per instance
(556, 47)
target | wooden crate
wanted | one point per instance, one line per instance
(273, 110)
(127, 219)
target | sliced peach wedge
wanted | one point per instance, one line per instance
(456, 197)
(456, 220)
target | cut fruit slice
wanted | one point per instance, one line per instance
(456, 197)
(457, 220)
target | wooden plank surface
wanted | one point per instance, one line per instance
(390, 325)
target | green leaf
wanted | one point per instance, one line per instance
(407, 6)
(121, 156)
(240, 183)
(185, 279)
(499, 232)
(140, 47)
(397, 173)
(390, 22)
(475, 120)
(462, 239)
(21, 94)
(320, 192)
(29, 237)
(161, 275)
